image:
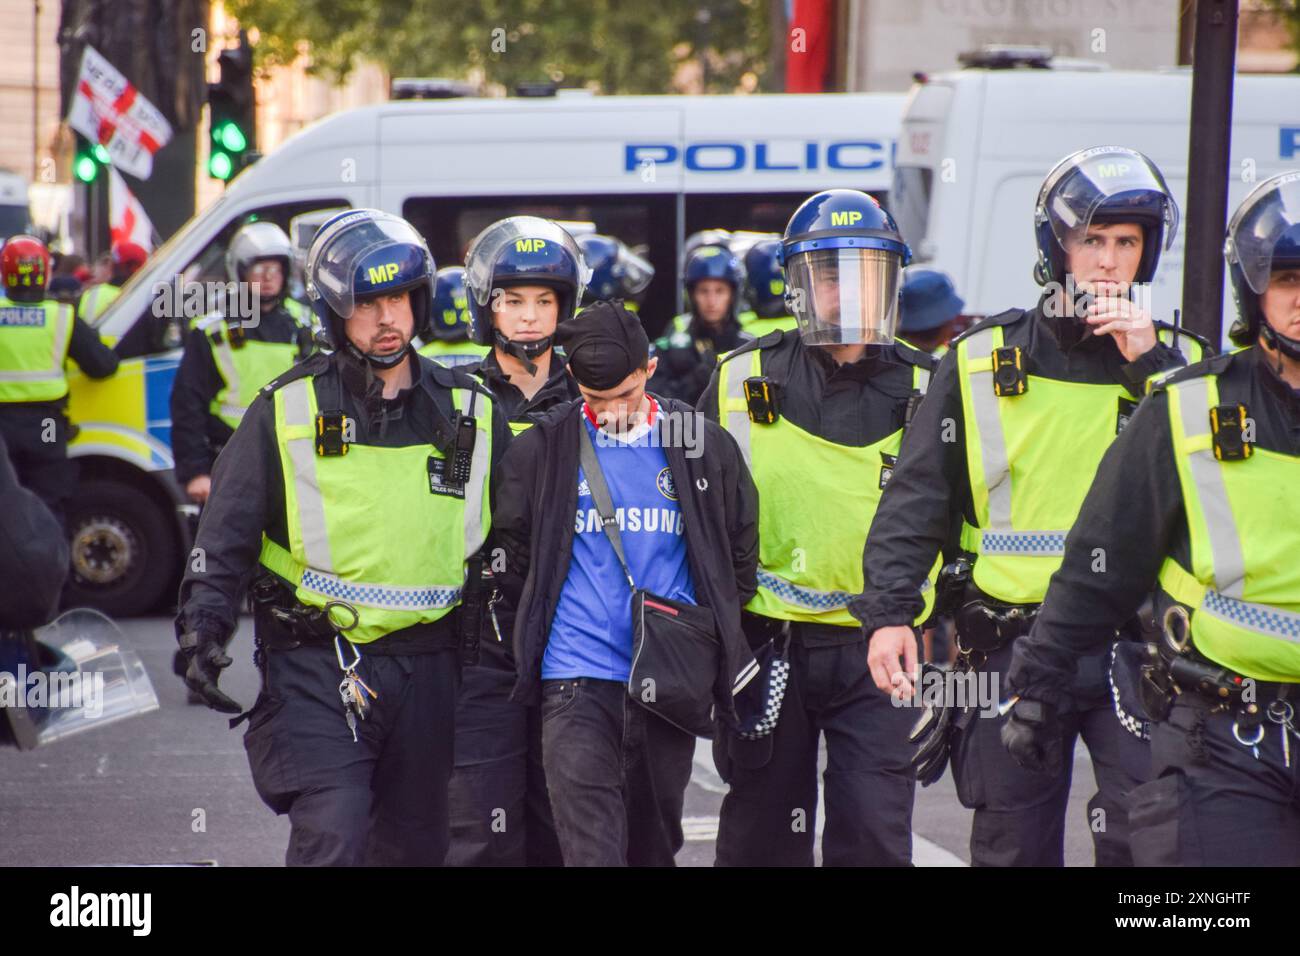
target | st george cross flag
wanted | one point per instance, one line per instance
(107, 110)
(128, 222)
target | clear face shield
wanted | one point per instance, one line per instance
(1109, 177)
(634, 271)
(1257, 226)
(339, 249)
(527, 235)
(844, 296)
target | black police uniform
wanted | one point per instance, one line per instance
(500, 808)
(1210, 801)
(1020, 813)
(197, 434)
(43, 466)
(869, 786)
(687, 359)
(381, 800)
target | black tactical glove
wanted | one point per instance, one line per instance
(206, 660)
(1033, 736)
(932, 734)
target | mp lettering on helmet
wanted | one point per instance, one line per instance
(1112, 170)
(530, 245)
(849, 218)
(382, 273)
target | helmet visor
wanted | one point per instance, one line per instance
(1111, 180)
(844, 296)
(1259, 224)
(516, 233)
(339, 250)
(633, 271)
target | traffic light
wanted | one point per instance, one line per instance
(89, 157)
(232, 112)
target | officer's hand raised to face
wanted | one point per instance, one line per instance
(1130, 324)
(887, 646)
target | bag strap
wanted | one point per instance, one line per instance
(600, 495)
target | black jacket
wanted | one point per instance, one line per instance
(558, 388)
(922, 507)
(687, 359)
(537, 497)
(33, 553)
(197, 434)
(248, 485)
(1134, 512)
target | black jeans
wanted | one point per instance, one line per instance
(380, 800)
(1212, 802)
(1020, 814)
(500, 810)
(768, 816)
(617, 775)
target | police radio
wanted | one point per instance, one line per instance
(463, 451)
(760, 399)
(1009, 376)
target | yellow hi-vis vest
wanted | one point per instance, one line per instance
(1243, 518)
(816, 503)
(34, 340)
(759, 327)
(341, 511)
(244, 370)
(455, 353)
(95, 301)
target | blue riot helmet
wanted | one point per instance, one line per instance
(843, 257)
(764, 280)
(450, 305)
(1263, 238)
(362, 254)
(1103, 184)
(616, 271)
(712, 262)
(521, 250)
(705, 237)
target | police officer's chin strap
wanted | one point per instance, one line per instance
(1279, 343)
(524, 351)
(380, 361)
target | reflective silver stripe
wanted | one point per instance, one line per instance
(809, 598)
(59, 352)
(225, 359)
(1225, 541)
(1260, 618)
(474, 533)
(920, 379)
(379, 595)
(737, 418)
(993, 447)
(302, 452)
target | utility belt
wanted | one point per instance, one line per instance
(284, 622)
(984, 625)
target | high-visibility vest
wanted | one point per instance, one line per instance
(758, 327)
(34, 340)
(816, 502)
(455, 353)
(1243, 521)
(244, 370)
(95, 302)
(341, 512)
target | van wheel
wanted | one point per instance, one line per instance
(122, 550)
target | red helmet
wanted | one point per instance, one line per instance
(127, 258)
(24, 266)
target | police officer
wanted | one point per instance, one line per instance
(525, 275)
(1198, 498)
(819, 416)
(229, 357)
(765, 290)
(1000, 456)
(357, 486)
(126, 259)
(37, 336)
(616, 271)
(450, 342)
(689, 353)
(931, 307)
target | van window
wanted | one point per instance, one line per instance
(754, 212)
(647, 223)
(911, 202)
(150, 334)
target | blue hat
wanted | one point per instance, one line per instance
(928, 300)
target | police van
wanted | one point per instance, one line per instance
(976, 144)
(648, 169)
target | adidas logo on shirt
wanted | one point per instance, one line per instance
(583, 489)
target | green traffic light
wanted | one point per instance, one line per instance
(85, 168)
(231, 137)
(221, 166)
(100, 153)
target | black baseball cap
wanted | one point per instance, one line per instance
(604, 344)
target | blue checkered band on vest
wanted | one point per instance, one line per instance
(1024, 542)
(388, 598)
(1257, 617)
(804, 597)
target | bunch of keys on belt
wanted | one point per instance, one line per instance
(352, 689)
(1282, 713)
